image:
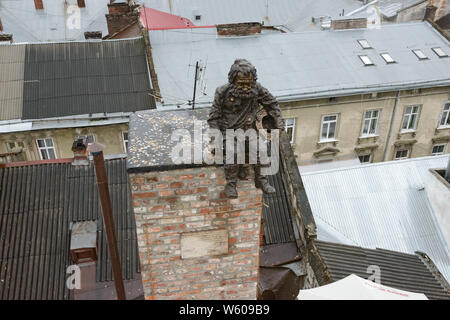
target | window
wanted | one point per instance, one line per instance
(15, 146)
(198, 17)
(90, 139)
(401, 154)
(329, 124)
(445, 117)
(410, 118)
(438, 149)
(125, 140)
(420, 54)
(439, 52)
(364, 44)
(289, 127)
(387, 57)
(370, 125)
(366, 60)
(46, 148)
(365, 158)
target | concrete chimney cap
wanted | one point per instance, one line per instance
(96, 147)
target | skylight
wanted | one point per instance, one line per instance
(440, 53)
(364, 44)
(366, 60)
(387, 57)
(420, 54)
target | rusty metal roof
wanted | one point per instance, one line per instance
(38, 204)
(398, 270)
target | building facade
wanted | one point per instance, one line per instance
(374, 127)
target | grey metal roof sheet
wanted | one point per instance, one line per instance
(11, 81)
(300, 65)
(85, 77)
(293, 14)
(380, 205)
(54, 22)
(397, 270)
(37, 205)
(390, 8)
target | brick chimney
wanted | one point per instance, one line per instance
(194, 243)
(38, 4)
(121, 15)
(343, 24)
(239, 29)
(80, 153)
(6, 37)
(430, 12)
(93, 35)
(81, 4)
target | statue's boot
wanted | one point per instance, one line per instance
(231, 175)
(261, 182)
(243, 172)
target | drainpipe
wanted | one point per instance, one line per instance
(390, 126)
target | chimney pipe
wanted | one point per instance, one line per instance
(80, 153)
(6, 37)
(81, 4)
(102, 183)
(38, 4)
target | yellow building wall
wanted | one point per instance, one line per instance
(350, 111)
(109, 135)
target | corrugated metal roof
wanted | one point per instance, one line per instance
(276, 213)
(11, 81)
(381, 205)
(37, 205)
(56, 22)
(85, 77)
(390, 8)
(398, 270)
(296, 66)
(294, 14)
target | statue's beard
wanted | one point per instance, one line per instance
(240, 93)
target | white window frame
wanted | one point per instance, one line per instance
(328, 122)
(409, 116)
(16, 145)
(86, 136)
(408, 151)
(445, 115)
(364, 155)
(439, 52)
(419, 54)
(370, 119)
(46, 148)
(438, 145)
(290, 126)
(366, 60)
(125, 141)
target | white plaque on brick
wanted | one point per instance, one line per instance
(204, 243)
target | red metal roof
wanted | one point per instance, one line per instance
(154, 19)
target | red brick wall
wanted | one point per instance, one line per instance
(167, 204)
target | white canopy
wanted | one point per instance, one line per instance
(356, 288)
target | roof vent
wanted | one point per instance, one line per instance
(83, 242)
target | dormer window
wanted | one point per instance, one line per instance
(420, 54)
(387, 57)
(439, 52)
(364, 44)
(366, 60)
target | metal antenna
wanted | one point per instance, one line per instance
(195, 85)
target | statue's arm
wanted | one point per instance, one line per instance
(270, 104)
(215, 115)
